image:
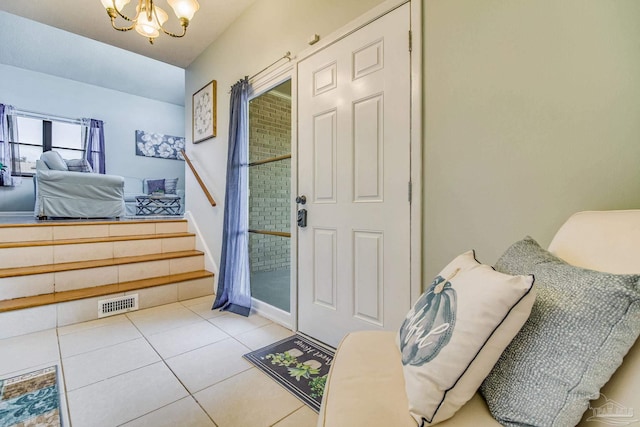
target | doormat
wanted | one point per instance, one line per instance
(297, 364)
(30, 399)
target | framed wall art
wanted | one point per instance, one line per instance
(152, 144)
(204, 112)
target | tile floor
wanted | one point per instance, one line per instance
(174, 365)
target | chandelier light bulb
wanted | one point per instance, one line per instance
(149, 18)
(108, 4)
(184, 8)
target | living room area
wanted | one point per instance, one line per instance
(141, 115)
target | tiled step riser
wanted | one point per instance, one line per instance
(75, 231)
(20, 322)
(38, 284)
(53, 254)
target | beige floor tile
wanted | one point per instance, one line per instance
(184, 413)
(208, 365)
(186, 338)
(163, 318)
(303, 417)
(125, 397)
(249, 398)
(93, 339)
(258, 338)
(208, 299)
(28, 351)
(91, 367)
(128, 248)
(20, 322)
(98, 323)
(204, 310)
(235, 324)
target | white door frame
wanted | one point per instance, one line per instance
(259, 86)
(416, 125)
(289, 71)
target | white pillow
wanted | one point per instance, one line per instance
(456, 332)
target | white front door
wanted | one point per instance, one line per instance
(354, 170)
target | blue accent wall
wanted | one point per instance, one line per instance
(122, 113)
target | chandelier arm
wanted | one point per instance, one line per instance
(169, 33)
(184, 22)
(113, 24)
(122, 15)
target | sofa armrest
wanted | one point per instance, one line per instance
(78, 184)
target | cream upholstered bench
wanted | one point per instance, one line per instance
(366, 386)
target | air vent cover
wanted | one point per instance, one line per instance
(113, 306)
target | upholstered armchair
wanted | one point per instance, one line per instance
(70, 190)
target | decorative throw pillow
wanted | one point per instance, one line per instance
(582, 324)
(78, 165)
(54, 161)
(170, 185)
(456, 332)
(155, 186)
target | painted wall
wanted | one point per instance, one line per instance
(262, 34)
(122, 113)
(530, 112)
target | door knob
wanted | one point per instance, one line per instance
(301, 199)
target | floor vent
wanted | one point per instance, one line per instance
(113, 306)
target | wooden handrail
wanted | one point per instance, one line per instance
(273, 159)
(270, 233)
(204, 187)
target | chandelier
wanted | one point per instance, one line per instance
(150, 18)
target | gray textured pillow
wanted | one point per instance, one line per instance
(54, 161)
(78, 165)
(170, 185)
(582, 324)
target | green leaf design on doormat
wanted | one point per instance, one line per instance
(302, 370)
(282, 359)
(317, 386)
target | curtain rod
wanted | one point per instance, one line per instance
(37, 115)
(285, 56)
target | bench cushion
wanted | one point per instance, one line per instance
(366, 388)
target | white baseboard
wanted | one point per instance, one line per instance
(17, 213)
(272, 313)
(201, 245)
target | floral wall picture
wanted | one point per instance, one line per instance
(151, 144)
(204, 112)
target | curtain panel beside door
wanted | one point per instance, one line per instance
(234, 290)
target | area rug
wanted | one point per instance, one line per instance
(297, 364)
(30, 399)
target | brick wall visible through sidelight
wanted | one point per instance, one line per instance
(269, 184)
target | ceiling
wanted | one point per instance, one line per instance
(88, 18)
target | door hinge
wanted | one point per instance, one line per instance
(410, 41)
(410, 191)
